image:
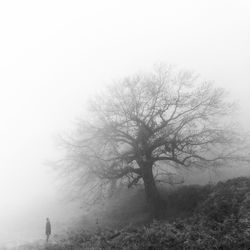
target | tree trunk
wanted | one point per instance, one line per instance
(156, 203)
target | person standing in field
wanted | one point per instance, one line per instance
(48, 229)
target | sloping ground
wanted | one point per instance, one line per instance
(228, 199)
(222, 221)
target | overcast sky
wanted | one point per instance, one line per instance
(55, 54)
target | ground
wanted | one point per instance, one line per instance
(221, 220)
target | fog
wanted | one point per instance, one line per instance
(55, 54)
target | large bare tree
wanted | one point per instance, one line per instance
(149, 121)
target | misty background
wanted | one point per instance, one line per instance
(55, 54)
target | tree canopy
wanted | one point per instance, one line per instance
(148, 121)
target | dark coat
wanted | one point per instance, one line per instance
(48, 228)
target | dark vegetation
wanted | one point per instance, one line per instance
(130, 205)
(206, 217)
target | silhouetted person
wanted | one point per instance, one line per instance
(48, 229)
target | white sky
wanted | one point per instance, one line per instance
(54, 54)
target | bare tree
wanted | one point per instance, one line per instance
(146, 121)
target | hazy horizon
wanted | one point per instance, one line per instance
(55, 54)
